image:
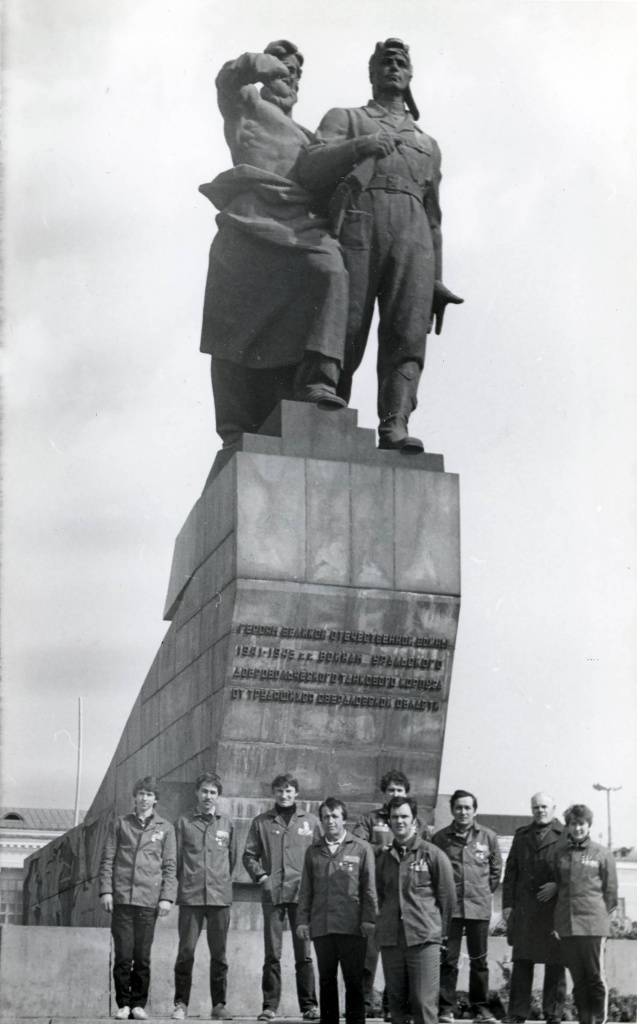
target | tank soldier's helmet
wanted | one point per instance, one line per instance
(379, 53)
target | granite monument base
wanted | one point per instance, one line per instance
(314, 600)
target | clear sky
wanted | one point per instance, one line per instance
(110, 125)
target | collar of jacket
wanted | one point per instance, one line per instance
(273, 814)
(554, 826)
(154, 821)
(472, 833)
(198, 815)
(324, 848)
(574, 845)
(374, 109)
(418, 846)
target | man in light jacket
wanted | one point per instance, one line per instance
(206, 857)
(273, 857)
(416, 899)
(337, 910)
(476, 860)
(137, 884)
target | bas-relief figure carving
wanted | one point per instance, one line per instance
(386, 213)
(281, 317)
(275, 305)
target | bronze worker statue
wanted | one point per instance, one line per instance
(275, 305)
(386, 214)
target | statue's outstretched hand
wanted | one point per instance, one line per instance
(442, 296)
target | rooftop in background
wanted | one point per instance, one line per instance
(504, 824)
(41, 818)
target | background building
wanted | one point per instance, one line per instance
(23, 830)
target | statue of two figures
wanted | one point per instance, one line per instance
(313, 230)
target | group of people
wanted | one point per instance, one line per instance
(312, 230)
(384, 888)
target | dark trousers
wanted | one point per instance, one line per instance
(584, 956)
(349, 952)
(477, 933)
(133, 930)
(273, 922)
(553, 995)
(388, 254)
(412, 977)
(191, 921)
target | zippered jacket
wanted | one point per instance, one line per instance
(477, 867)
(586, 877)
(338, 891)
(206, 857)
(138, 861)
(417, 889)
(278, 850)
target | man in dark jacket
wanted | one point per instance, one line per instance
(206, 857)
(374, 829)
(416, 898)
(337, 910)
(137, 884)
(274, 852)
(475, 856)
(586, 878)
(528, 903)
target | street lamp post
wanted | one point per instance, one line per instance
(608, 790)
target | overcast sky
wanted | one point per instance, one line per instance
(110, 126)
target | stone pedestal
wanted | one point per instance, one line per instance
(314, 600)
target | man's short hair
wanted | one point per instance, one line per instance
(460, 794)
(578, 812)
(400, 801)
(283, 48)
(148, 784)
(211, 778)
(382, 48)
(333, 803)
(285, 779)
(394, 775)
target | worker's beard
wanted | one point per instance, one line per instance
(281, 93)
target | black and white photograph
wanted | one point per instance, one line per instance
(319, 506)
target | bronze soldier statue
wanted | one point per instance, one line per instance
(386, 214)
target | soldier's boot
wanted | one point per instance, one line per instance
(397, 399)
(315, 381)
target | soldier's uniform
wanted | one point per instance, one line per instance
(389, 229)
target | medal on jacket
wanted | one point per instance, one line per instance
(419, 865)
